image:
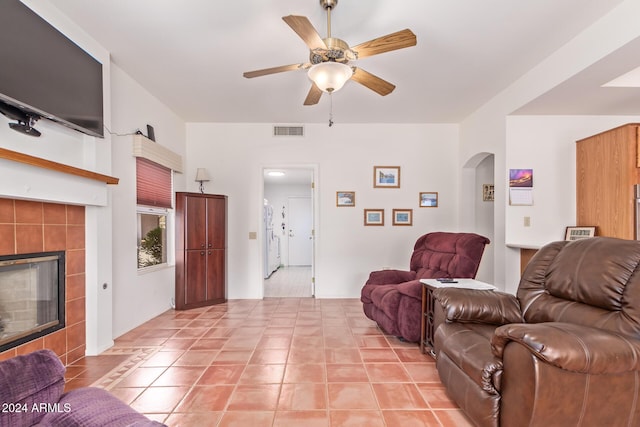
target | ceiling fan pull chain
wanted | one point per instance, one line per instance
(330, 109)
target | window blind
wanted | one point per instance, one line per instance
(153, 183)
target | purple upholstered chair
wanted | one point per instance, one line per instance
(32, 392)
(393, 298)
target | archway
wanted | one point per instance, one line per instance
(477, 212)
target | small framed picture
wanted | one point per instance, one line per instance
(487, 192)
(386, 176)
(403, 217)
(577, 233)
(345, 198)
(374, 217)
(429, 199)
(520, 177)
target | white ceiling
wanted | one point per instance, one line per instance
(296, 176)
(191, 55)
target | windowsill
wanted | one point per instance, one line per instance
(154, 268)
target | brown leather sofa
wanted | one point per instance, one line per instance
(565, 351)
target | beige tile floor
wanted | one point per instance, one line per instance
(289, 282)
(273, 362)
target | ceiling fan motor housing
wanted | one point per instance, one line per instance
(337, 51)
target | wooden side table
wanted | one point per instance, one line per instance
(427, 327)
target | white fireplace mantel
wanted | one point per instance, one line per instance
(31, 178)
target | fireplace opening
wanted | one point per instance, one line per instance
(31, 296)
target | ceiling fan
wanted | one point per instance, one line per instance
(328, 66)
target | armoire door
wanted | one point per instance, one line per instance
(195, 285)
(216, 274)
(196, 223)
(216, 223)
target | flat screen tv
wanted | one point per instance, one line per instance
(46, 75)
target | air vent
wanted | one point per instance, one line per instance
(288, 130)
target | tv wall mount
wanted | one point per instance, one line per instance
(25, 121)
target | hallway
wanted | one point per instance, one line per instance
(292, 282)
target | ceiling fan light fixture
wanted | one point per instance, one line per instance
(330, 76)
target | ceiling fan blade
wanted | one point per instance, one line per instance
(374, 83)
(394, 41)
(313, 97)
(303, 27)
(274, 70)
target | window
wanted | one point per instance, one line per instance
(152, 236)
(153, 183)
(154, 200)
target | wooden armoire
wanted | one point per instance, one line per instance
(201, 250)
(606, 171)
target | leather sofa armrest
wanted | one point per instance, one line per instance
(572, 347)
(390, 277)
(478, 306)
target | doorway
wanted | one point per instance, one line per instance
(478, 213)
(288, 235)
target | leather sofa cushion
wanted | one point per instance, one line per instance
(592, 282)
(478, 306)
(572, 347)
(468, 347)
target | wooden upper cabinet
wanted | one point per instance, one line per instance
(205, 223)
(216, 223)
(195, 222)
(606, 171)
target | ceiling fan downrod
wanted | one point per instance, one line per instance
(328, 5)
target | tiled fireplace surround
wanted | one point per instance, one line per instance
(33, 226)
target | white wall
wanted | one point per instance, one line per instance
(137, 297)
(547, 145)
(486, 131)
(72, 148)
(129, 298)
(346, 250)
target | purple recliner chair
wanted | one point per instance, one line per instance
(393, 298)
(32, 394)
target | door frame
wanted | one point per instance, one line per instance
(315, 220)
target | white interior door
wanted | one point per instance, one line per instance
(300, 231)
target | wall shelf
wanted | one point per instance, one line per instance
(55, 166)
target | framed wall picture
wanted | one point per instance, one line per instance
(429, 199)
(577, 233)
(520, 177)
(345, 198)
(403, 217)
(374, 217)
(487, 192)
(386, 176)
